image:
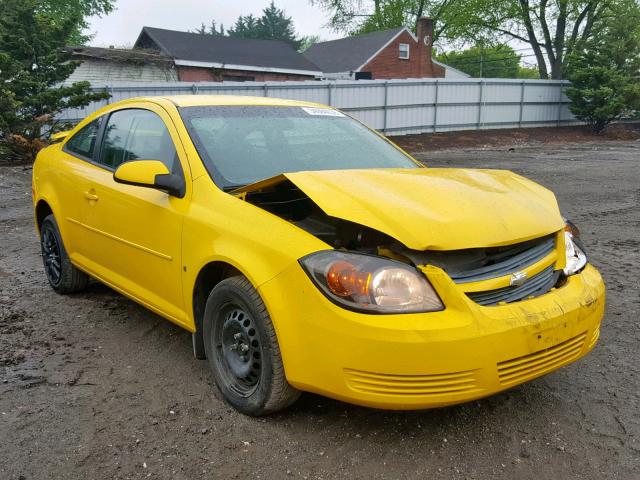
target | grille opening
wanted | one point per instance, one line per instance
(475, 264)
(534, 287)
(420, 385)
(518, 370)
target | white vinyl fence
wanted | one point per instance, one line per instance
(395, 107)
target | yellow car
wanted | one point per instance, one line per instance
(305, 252)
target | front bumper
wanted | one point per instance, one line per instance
(415, 361)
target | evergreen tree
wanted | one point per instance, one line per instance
(210, 30)
(33, 65)
(275, 25)
(272, 25)
(605, 72)
(246, 26)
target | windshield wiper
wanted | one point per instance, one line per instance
(229, 188)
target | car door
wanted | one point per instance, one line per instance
(134, 233)
(71, 186)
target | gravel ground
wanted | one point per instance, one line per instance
(94, 386)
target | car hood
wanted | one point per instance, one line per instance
(432, 208)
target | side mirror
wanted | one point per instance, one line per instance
(151, 174)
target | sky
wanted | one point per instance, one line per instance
(121, 27)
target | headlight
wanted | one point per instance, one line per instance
(367, 283)
(576, 258)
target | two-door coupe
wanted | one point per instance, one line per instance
(305, 252)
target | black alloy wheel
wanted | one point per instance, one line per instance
(51, 256)
(62, 275)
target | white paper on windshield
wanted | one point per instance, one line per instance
(325, 112)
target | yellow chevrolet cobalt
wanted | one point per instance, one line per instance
(305, 252)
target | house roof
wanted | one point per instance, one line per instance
(194, 49)
(137, 55)
(451, 72)
(350, 53)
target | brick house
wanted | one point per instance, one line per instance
(209, 58)
(394, 53)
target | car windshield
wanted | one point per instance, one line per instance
(243, 144)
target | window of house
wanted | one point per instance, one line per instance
(404, 51)
(135, 134)
(83, 142)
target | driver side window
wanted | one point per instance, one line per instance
(136, 134)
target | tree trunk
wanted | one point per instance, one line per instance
(542, 65)
(557, 69)
(533, 40)
(559, 41)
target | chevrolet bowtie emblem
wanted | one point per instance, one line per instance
(518, 279)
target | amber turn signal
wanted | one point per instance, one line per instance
(345, 280)
(571, 228)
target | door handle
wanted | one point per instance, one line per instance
(90, 196)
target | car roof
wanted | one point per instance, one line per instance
(220, 100)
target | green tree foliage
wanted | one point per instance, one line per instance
(61, 11)
(529, 72)
(33, 65)
(212, 29)
(387, 14)
(552, 28)
(500, 61)
(605, 71)
(273, 24)
(307, 41)
(363, 16)
(246, 26)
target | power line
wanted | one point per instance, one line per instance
(496, 48)
(493, 50)
(506, 54)
(489, 60)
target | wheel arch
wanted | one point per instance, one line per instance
(42, 210)
(210, 275)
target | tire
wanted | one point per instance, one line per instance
(61, 274)
(242, 350)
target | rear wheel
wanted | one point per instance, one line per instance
(242, 350)
(62, 275)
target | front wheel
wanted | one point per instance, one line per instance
(62, 275)
(242, 350)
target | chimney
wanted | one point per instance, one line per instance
(424, 32)
(424, 28)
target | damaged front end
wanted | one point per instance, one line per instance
(499, 238)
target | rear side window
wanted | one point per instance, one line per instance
(84, 142)
(136, 134)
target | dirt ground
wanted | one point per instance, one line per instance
(94, 386)
(515, 137)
